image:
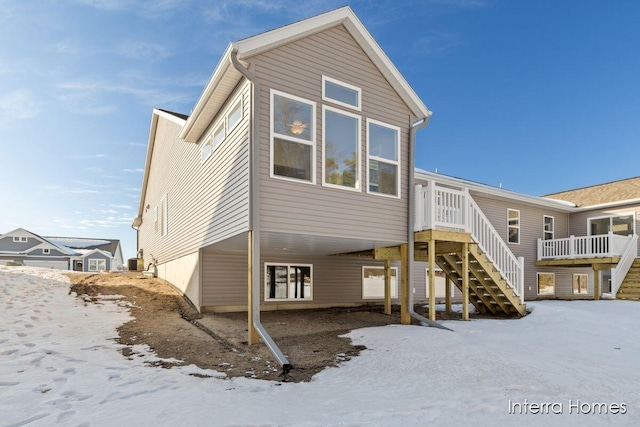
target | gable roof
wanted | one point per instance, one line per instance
(106, 245)
(64, 249)
(225, 77)
(609, 192)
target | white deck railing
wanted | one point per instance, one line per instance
(619, 272)
(603, 245)
(442, 207)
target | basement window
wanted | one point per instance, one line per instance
(373, 282)
(288, 282)
(546, 284)
(580, 282)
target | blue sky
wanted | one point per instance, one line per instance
(539, 96)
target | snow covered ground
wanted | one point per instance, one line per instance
(59, 365)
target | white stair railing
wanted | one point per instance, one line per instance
(442, 207)
(619, 272)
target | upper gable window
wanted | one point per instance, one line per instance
(341, 93)
(292, 137)
(20, 239)
(383, 153)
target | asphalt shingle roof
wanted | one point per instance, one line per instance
(616, 191)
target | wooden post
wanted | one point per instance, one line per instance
(447, 298)
(387, 286)
(465, 281)
(405, 316)
(432, 280)
(596, 284)
(253, 336)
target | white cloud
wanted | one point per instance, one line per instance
(436, 43)
(133, 170)
(19, 105)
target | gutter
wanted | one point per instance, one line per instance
(411, 222)
(254, 213)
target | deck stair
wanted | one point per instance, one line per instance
(488, 290)
(630, 288)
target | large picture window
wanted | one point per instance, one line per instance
(288, 282)
(292, 137)
(513, 225)
(341, 148)
(383, 158)
(373, 282)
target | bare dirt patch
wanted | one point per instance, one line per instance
(311, 339)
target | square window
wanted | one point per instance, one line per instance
(373, 282)
(546, 283)
(580, 284)
(46, 251)
(97, 264)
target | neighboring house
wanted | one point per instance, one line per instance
(292, 185)
(21, 247)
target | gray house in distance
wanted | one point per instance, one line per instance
(292, 185)
(22, 247)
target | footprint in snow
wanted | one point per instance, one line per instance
(66, 416)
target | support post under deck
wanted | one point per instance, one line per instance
(465, 281)
(387, 286)
(432, 279)
(405, 315)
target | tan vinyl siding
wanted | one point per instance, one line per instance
(207, 202)
(297, 69)
(336, 280)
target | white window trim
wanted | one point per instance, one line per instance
(288, 265)
(16, 239)
(236, 102)
(553, 227)
(538, 283)
(379, 267)
(20, 239)
(513, 226)
(46, 251)
(312, 142)
(629, 213)
(398, 162)
(346, 85)
(357, 188)
(164, 227)
(573, 278)
(98, 261)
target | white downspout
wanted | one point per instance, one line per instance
(411, 221)
(254, 212)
